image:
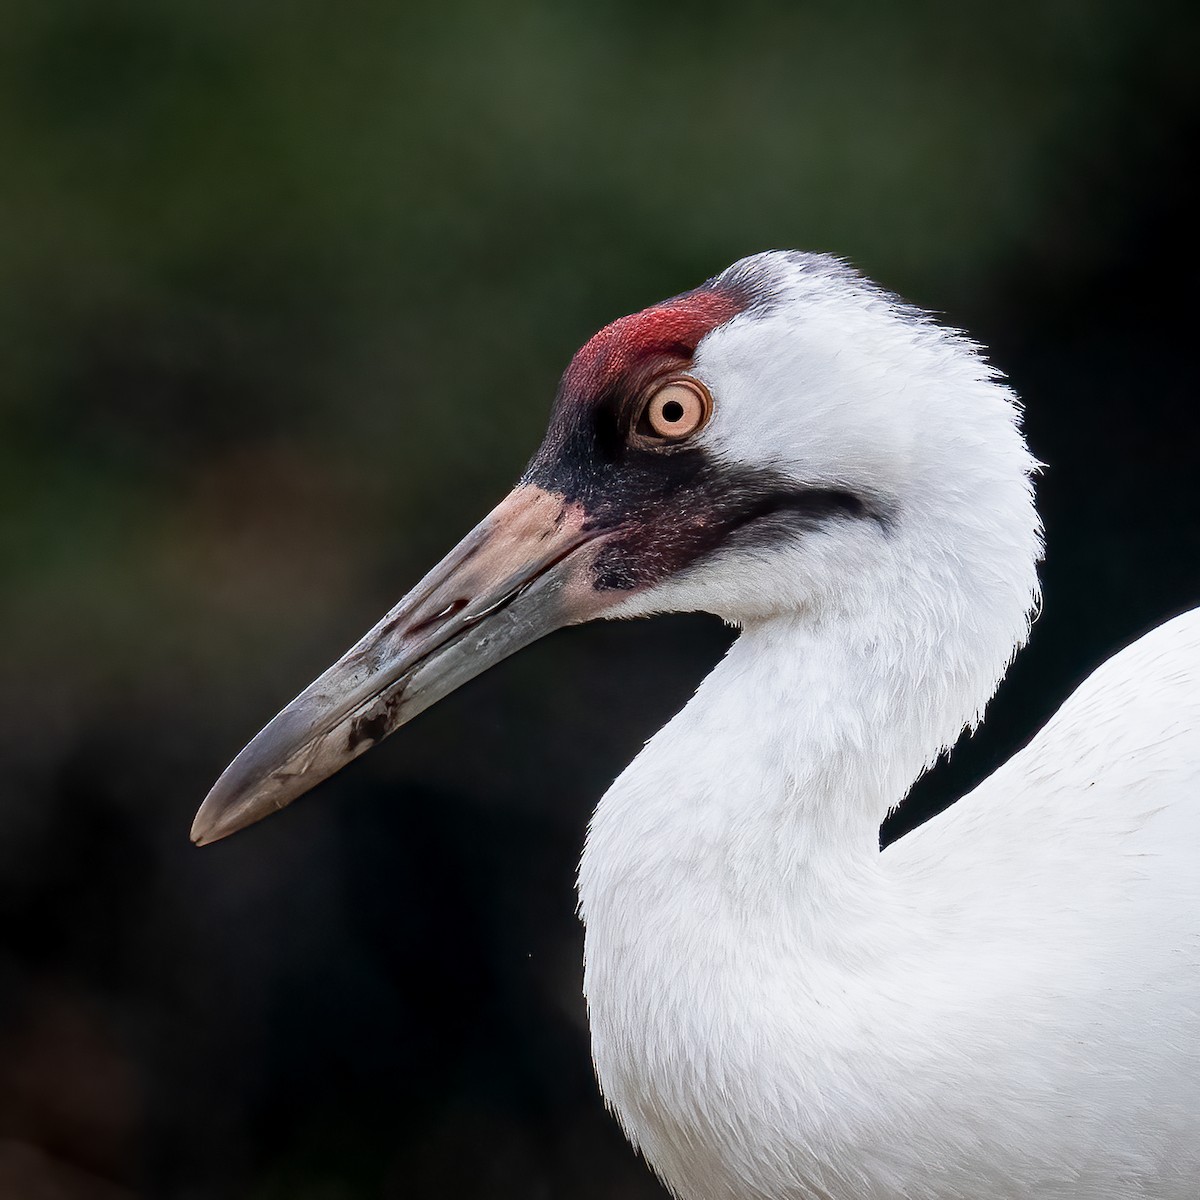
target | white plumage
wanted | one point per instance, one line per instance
(1004, 1005)
(1006, 1002)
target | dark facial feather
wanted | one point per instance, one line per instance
(669, 508)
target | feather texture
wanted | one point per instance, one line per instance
(1006, 1003)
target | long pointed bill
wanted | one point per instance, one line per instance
(518, 575)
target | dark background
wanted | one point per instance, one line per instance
(285, 293)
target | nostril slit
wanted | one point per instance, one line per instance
(451, 610)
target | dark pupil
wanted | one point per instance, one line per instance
(672, 411)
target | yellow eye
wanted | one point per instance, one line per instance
(679, 407)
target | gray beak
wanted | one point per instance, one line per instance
(518, 575)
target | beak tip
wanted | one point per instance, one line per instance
(206, 828)
(201, 836)
(220, 815)
(245, 793)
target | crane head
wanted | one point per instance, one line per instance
(741, 448)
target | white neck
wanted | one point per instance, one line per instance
(769, 787)
(732, 879)
(742, 926)
(784, 764)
